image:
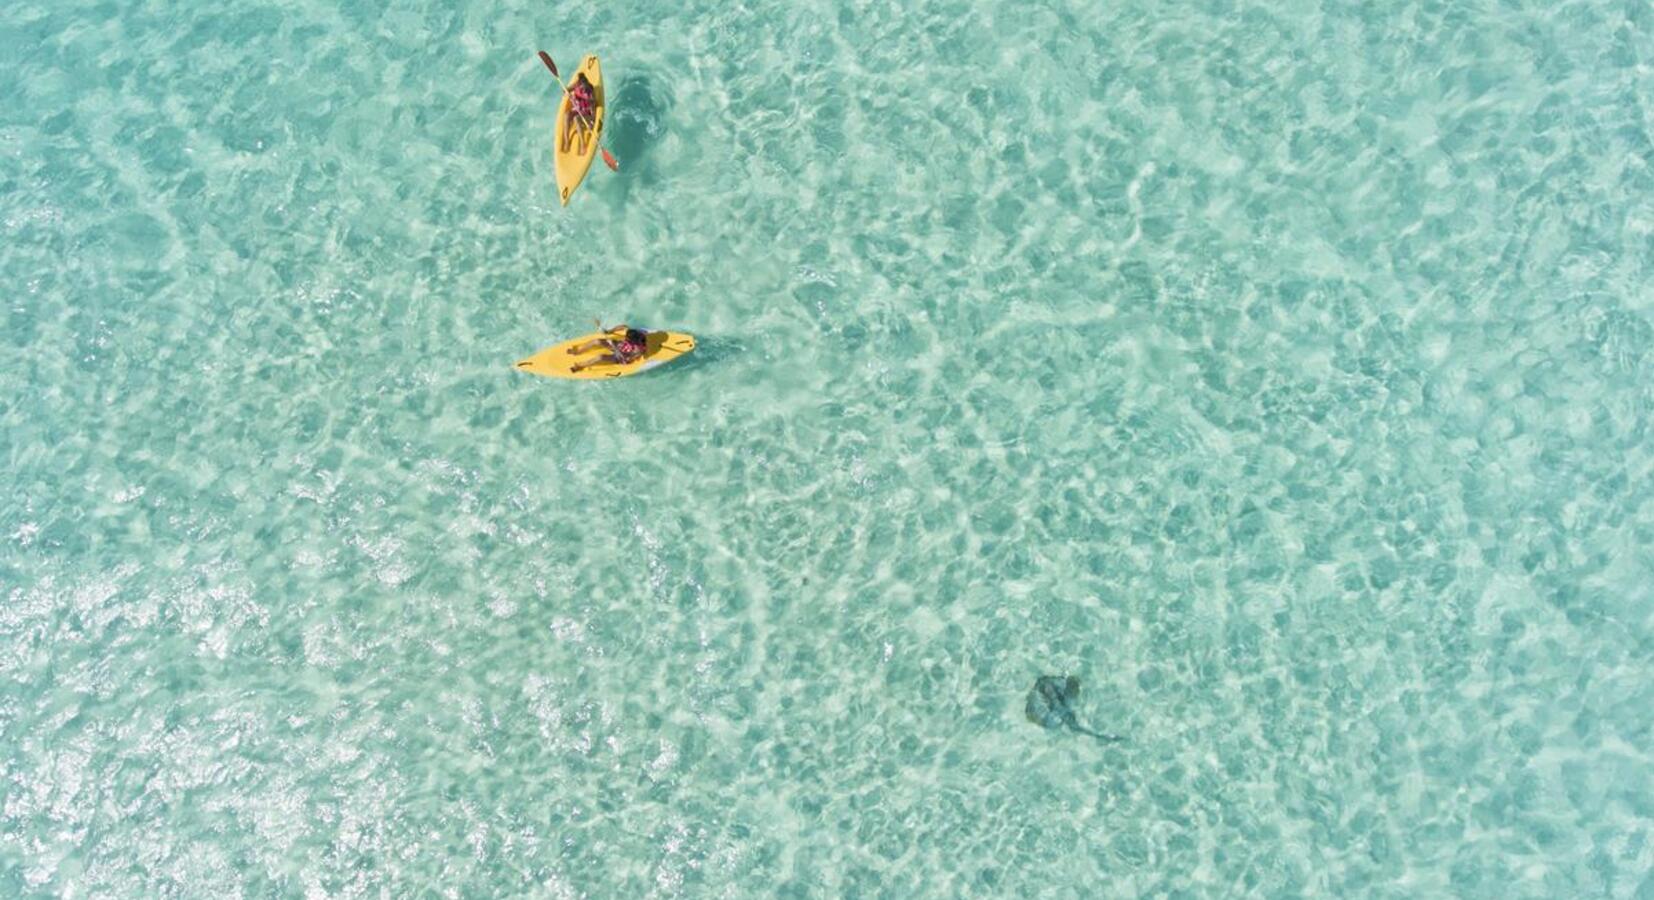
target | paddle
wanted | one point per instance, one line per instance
(608, 158)
(627, 329)
(605, 333)
(602, 335)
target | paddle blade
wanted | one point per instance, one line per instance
(609, 159)
(546, 58)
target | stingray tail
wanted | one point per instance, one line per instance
(1105, 738)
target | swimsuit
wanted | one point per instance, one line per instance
(580, 102)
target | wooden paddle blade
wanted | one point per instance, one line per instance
(546, 58)
(609, 159)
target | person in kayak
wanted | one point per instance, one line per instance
(582, 108)
(628, 350)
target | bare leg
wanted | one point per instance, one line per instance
(588, 346)
(605, 358)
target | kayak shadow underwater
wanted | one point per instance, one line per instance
(634, 128)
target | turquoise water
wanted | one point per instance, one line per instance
(1281, 371)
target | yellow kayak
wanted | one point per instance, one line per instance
(577, 147)
(557, 362)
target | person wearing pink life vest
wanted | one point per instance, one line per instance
(582, 108)
(629, 349)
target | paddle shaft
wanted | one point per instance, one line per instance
(605, 336)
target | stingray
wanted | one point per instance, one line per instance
(1051, 705)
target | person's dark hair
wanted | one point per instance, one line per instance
(637, 336)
